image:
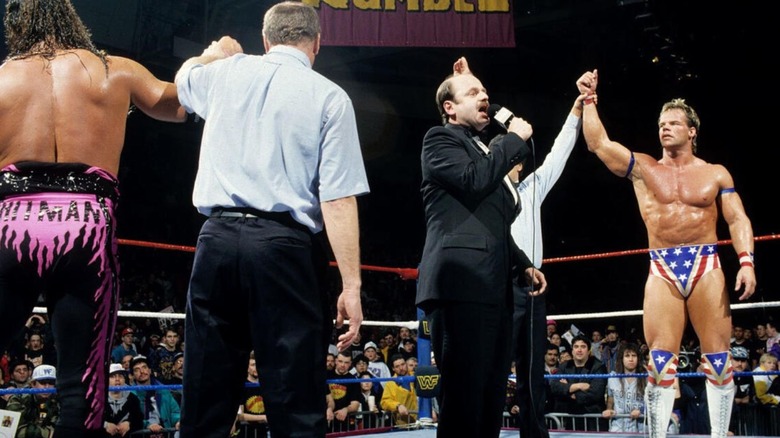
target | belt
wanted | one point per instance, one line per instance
(223, 213)
(282, 217)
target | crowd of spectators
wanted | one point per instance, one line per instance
(620, 400)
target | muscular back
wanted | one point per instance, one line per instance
(679, 203)
(72, 109)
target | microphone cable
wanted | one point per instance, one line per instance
(530, 301)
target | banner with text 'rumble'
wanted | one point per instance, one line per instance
(416, 23)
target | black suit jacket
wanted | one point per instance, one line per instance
(469, 251)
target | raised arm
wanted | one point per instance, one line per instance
(341, 224)
(224, 48)
(461, 67)
(614, 155)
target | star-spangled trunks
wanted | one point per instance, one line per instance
(684, 266)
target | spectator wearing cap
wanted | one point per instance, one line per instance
(125, 347)
(408, 348)
(740, 358)
(552, 327)
(376, 365)
(178, 368)
(359, 364)
(160, 409)
(20, 370)
(745, 391)
(39, 411)
(124, 415)
(178, 376)
(360, 367)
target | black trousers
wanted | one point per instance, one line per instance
(529, 333)
(471, 344)
(73, 262)
(256, 284)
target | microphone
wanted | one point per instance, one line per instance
(503, 117)
(500, 115)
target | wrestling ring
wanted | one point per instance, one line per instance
(424, 427)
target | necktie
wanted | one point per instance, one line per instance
(507, 181)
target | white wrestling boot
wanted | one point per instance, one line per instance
(720, 400)
(660, 391)
(720, 391)
(659, 401)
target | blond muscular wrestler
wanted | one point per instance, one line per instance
(679, 198)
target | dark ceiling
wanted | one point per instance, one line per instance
(716, 56)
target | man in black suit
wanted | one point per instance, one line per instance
(465, 277)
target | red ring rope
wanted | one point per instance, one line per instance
(411, 273)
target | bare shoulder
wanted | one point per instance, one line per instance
(120, 64)
(722, 175)
(645, 160)
(712, 168)
(713, 171)
(644, 157)
(9, 69)
(131, 73)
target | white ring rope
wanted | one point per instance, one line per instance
(415, 324)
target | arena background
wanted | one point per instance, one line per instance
(717, 56)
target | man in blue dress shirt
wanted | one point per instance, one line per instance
(280, 161)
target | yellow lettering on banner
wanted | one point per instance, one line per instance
(436, 5)
(411, 5)
(494, 5)
(335, 4)
(367, 5)
(463, 6)
(414, 5)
